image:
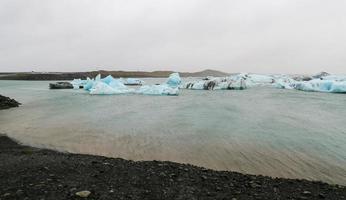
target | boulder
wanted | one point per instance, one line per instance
(60, 85)
(6, 102)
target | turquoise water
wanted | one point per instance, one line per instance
(281, 133)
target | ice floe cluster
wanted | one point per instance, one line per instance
(322, 82)
(110, 85)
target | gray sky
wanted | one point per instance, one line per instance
(263, 36)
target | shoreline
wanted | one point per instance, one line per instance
(58, 76)
(34, 173)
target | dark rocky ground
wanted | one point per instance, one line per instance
(31, 173)
(6, 102)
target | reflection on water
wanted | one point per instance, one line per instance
(259, 131)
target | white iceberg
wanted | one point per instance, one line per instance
(77, 83)
(212, 83)
(132, 81)
(163, 89)
(285, 83)
(114, 87)
(194, 85)
(254, 79)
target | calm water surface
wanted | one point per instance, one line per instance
(259, 131)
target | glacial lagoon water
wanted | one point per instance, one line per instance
(280, 133)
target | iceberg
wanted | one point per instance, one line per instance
(107, 79)
(171, 87)
(254, 79)
(211, 83)
(194, 85)
(163, 89)
(132, 81)
(317, 85)
(285, 83)
(174, 80)
(334, 77)
(89, 84)
(322, 82)
(114, 87)
(78, 83)
(237, 85)
(107, 85)
(338, 87)
(110, 85)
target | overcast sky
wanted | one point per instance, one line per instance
(262, 36)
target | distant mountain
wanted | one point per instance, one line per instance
(204, 73)
(116, 74)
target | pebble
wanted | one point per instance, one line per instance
(6, 194)
(321, 195)
(83, 194)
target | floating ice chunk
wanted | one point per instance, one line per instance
(171, 87)
(236, 85)
(163, 89)
(338, 87)
(285, 83)
(89, 84)
(107, 79)
(98, 77)
(194, 85)
(317, 85)
(76, 83)
(117, 84)
(258, 80)
(335, 77)
(221, 86)
(174, 80)
(133, 81)
(100, 87)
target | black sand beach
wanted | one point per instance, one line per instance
(32, 173)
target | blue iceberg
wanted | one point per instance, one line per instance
(114, 87)
(110, 85)
(171, 87)
(317, 85)
(174, 80)
(108, 79)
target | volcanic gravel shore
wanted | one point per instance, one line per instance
(6, 102)
(32, 173)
